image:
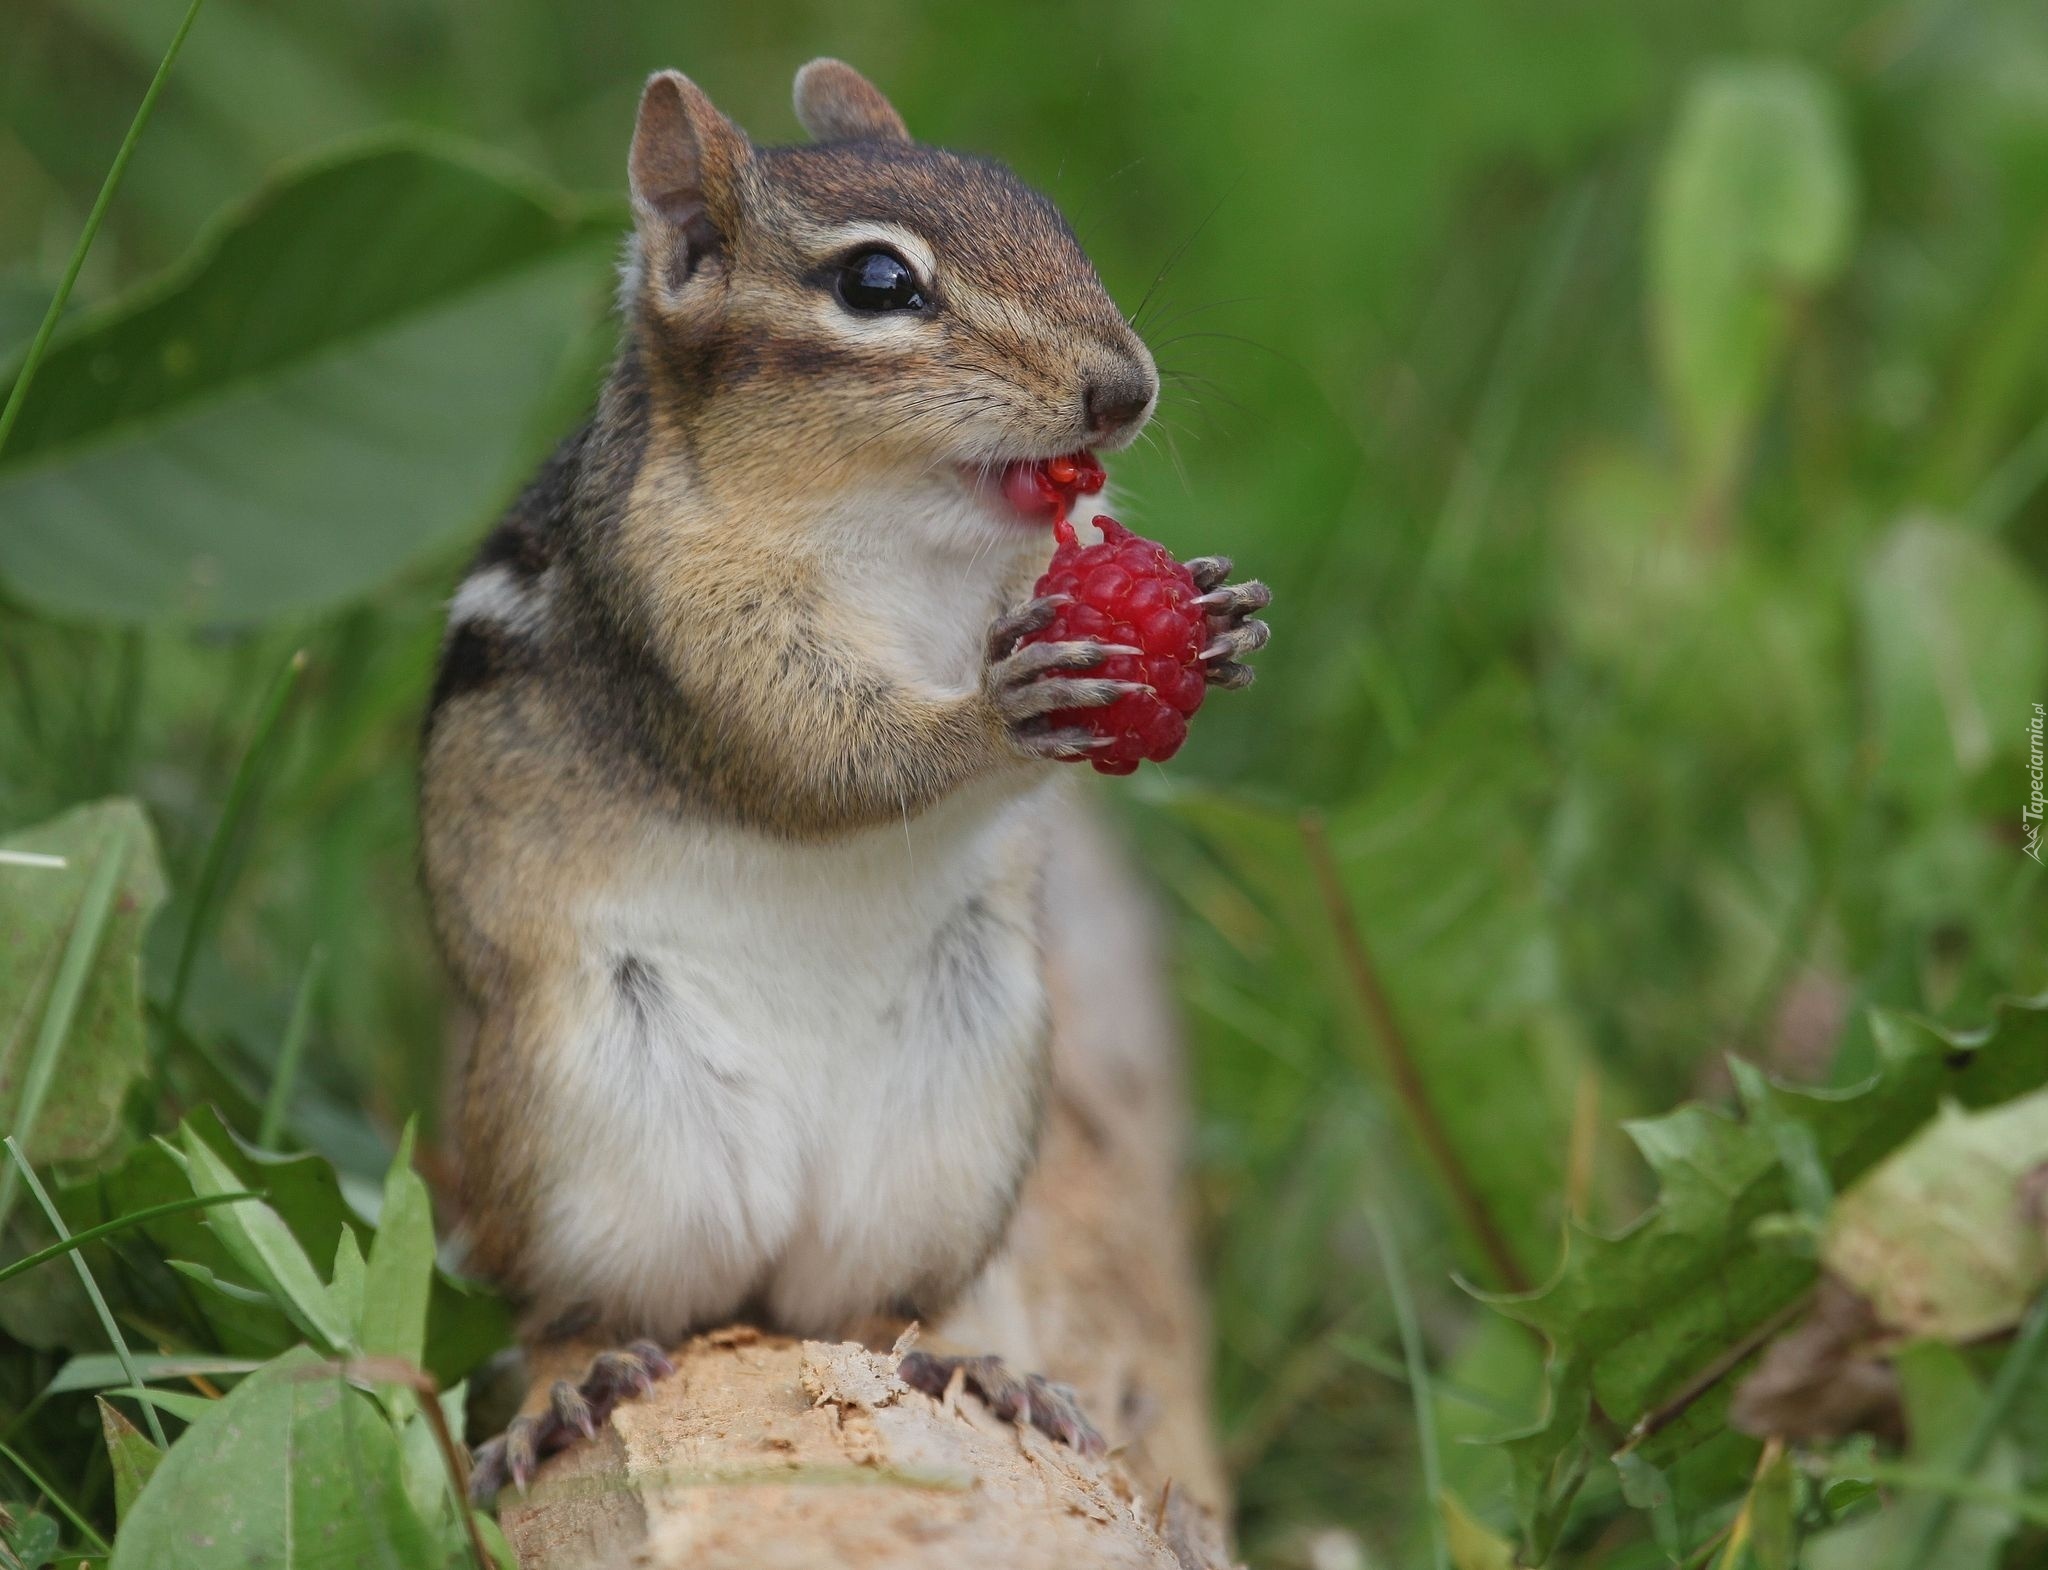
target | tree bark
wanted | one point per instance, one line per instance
(764, 1453)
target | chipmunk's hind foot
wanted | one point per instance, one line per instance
(1053, 1409)
(573, 1412)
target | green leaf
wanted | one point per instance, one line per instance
(133, 1457)
(346, 376)
(1955, 639)
(1937, 1236)
(248, 1322)
(101, 1054)
(101, 1370)
(1754, 204)
(34, 1541)
(1472, 1545)
(1635, 1320)
(186, 1405)
(466, 1322)
(264, 1247)
(293, 1469)
(347, 1282)
(401, 1267)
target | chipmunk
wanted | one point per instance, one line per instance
(736, 781)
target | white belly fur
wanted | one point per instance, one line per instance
(818, 1104)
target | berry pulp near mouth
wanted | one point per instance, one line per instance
(1051, 485)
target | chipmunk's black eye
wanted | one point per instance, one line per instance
(879, 280)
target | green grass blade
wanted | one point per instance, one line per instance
(101, 203)
(214, 868)
(95, 907)
(1953, 1486)
(2005, 1389)
(1418, 1386)
(1366, 1355)
(35, 1481)
(289, 1053)
(92, 1287)
(2004, 492)
(78, 1240)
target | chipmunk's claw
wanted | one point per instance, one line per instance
(1063, 743)
(1026, 619)
(1246, 637)
(1052, 1409)
(1229, 675)
(1234, 632)
(574, 1411)
(1234, 599)
(1208, 571)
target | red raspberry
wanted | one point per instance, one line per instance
(1129, 590)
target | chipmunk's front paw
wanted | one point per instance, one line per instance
(1052, 1409)
(1025, 684)
(573, 1412)
(1234, 632)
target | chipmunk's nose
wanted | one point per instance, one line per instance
(1116, 400)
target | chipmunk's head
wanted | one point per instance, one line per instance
(863, 310)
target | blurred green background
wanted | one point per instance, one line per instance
(1640, 412)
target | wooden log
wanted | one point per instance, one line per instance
(764, 1453)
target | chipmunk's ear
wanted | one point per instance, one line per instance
(686, 162)
(835, 103)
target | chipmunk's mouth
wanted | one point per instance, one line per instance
(1040, 490)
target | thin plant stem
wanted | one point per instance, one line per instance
(92, 1288)
(1402, 1066)
(34, 359)
(213, 869)
(1418, 1384)
(99, 1544)
(296, 1029)
(95, 909)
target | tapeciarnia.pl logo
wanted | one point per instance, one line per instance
(2030, 814)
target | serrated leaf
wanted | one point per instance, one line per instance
(347, 375)
(1634, 1320)
(103, 1053)
(263, 1246)
(293, 1469)
(133, 1457)
(401, 1266)
(1754, 203)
